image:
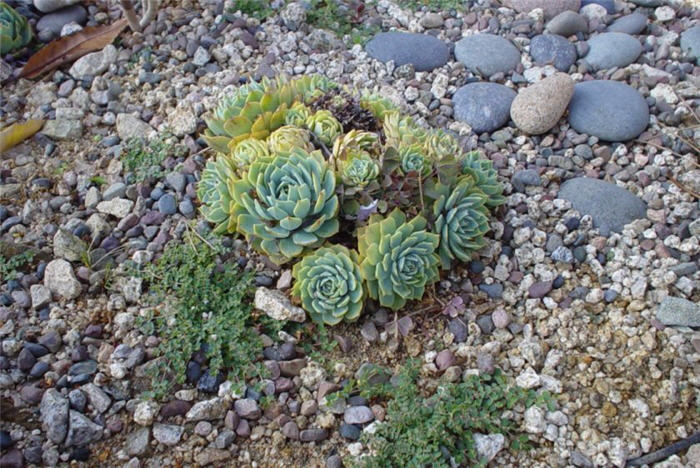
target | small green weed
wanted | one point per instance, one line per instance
(339, 19)
(438, 430)
(259, 9)
(432, 5)
(9, 266)
(203, 303)
(144, 160)
(98, 180)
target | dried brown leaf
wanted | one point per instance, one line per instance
(70, 48)
(18, 132)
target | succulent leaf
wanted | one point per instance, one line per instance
(324, 126)
(285, 139)
(15, 32)
(213, 190)
(358, 169)
(297, 115)
(397, 258)
(286, 204)
(379, 106)
(413, 159)
(440, 145)
(461, 220)
(485, 176)
(248, 151)
(329, 284)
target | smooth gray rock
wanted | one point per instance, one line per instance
(54, 415)
(567, 23)
(609, 110)
(424, 51)
(633, 23)
(676, 311)
(608, 4)
(612, 49)
(55, 21)
(484, 106)
(610, 206)
(554, 49)
(648, 3)
(690, 42)
(487, 54)
(47, 6)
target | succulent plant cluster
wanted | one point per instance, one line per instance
(15, 32)
(362, 213)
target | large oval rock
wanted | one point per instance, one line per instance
(609, 5)
(610, 206)
(487, 54)
(484, 106)
(609, 110)
(690, 43)
(55, 21)
(554, 49)
(424, 51)
(612, 49)
(538, 108)
(568, 23)
(631, 24)
(47, 6)
(551, 8)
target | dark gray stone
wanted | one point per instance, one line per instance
(358, 415)
(349, 431)
(484, 106)
(609, 110)
(690, 42)
(612, 49)
(567, 23)
(54, 415)
(82, 431)
(525, 177)
(313, 435)
(493, 290)
(423, 51)
(554, 49)
(167, 204)
(487, 54)
(630, 24)
(54, 22)
(610, 206)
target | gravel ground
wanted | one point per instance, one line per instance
(588, 287)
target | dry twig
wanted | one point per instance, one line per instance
(149, 8)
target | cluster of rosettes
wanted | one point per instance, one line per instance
(362, 213)
(14, 30)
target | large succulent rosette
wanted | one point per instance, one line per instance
(397, 258)
(286, 204)
(329, 285)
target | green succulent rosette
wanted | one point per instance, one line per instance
(286, 204)
(461, 220)
(248, 151)
(329, 284)
(325, 126)
(297, 115)
(285, 139)
(413, 159)
(397, 258)
(440, 145)
(353, 141)
(379, 106)
(214, 192)
(15, 32)
(358, 170)
(402, 131)
(485, 177)
(256, 109)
